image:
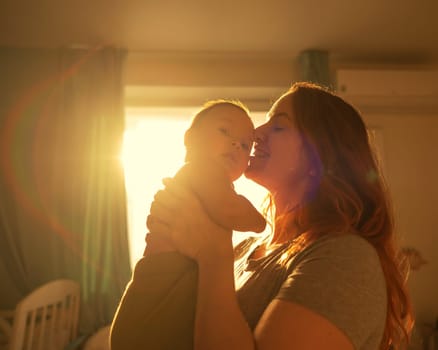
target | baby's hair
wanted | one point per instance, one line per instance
(209, 105)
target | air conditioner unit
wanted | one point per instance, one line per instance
(389, 88)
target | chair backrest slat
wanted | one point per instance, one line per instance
(47, 319)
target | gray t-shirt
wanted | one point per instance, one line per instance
(338, 277)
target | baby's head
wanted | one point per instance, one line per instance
(221, 131)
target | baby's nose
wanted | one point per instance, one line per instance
(235, 143)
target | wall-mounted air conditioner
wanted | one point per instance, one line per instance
(397, 89)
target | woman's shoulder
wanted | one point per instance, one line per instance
(343, 246)
(341, 278)
(347, 258)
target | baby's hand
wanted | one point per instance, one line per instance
(177, 215)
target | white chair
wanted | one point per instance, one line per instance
(46, 319)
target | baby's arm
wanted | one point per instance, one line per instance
(241, 214)
(222, 203)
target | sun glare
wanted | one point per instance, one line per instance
(153, 148)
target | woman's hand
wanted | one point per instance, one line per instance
(177, 214)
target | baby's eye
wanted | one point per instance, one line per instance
(224, 131)
(245, 146)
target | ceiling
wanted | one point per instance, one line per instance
(401, 31)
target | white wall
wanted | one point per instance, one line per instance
(403, 106)
(410, 145)
(190, 80)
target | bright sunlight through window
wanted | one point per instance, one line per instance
(153, 148)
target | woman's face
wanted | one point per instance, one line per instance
(279, 162)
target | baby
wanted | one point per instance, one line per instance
(218, 144)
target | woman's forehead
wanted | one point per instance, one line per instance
(283, 105)
(281, 112)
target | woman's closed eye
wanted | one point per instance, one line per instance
(279, 123)
(277, 127)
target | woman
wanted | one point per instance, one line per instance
(327, 276)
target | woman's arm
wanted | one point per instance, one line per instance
(219, 322)
(287, 325)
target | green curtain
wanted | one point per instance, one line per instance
(62, 194)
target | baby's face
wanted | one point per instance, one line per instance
(226, 135)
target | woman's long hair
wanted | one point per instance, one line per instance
(348, 193)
